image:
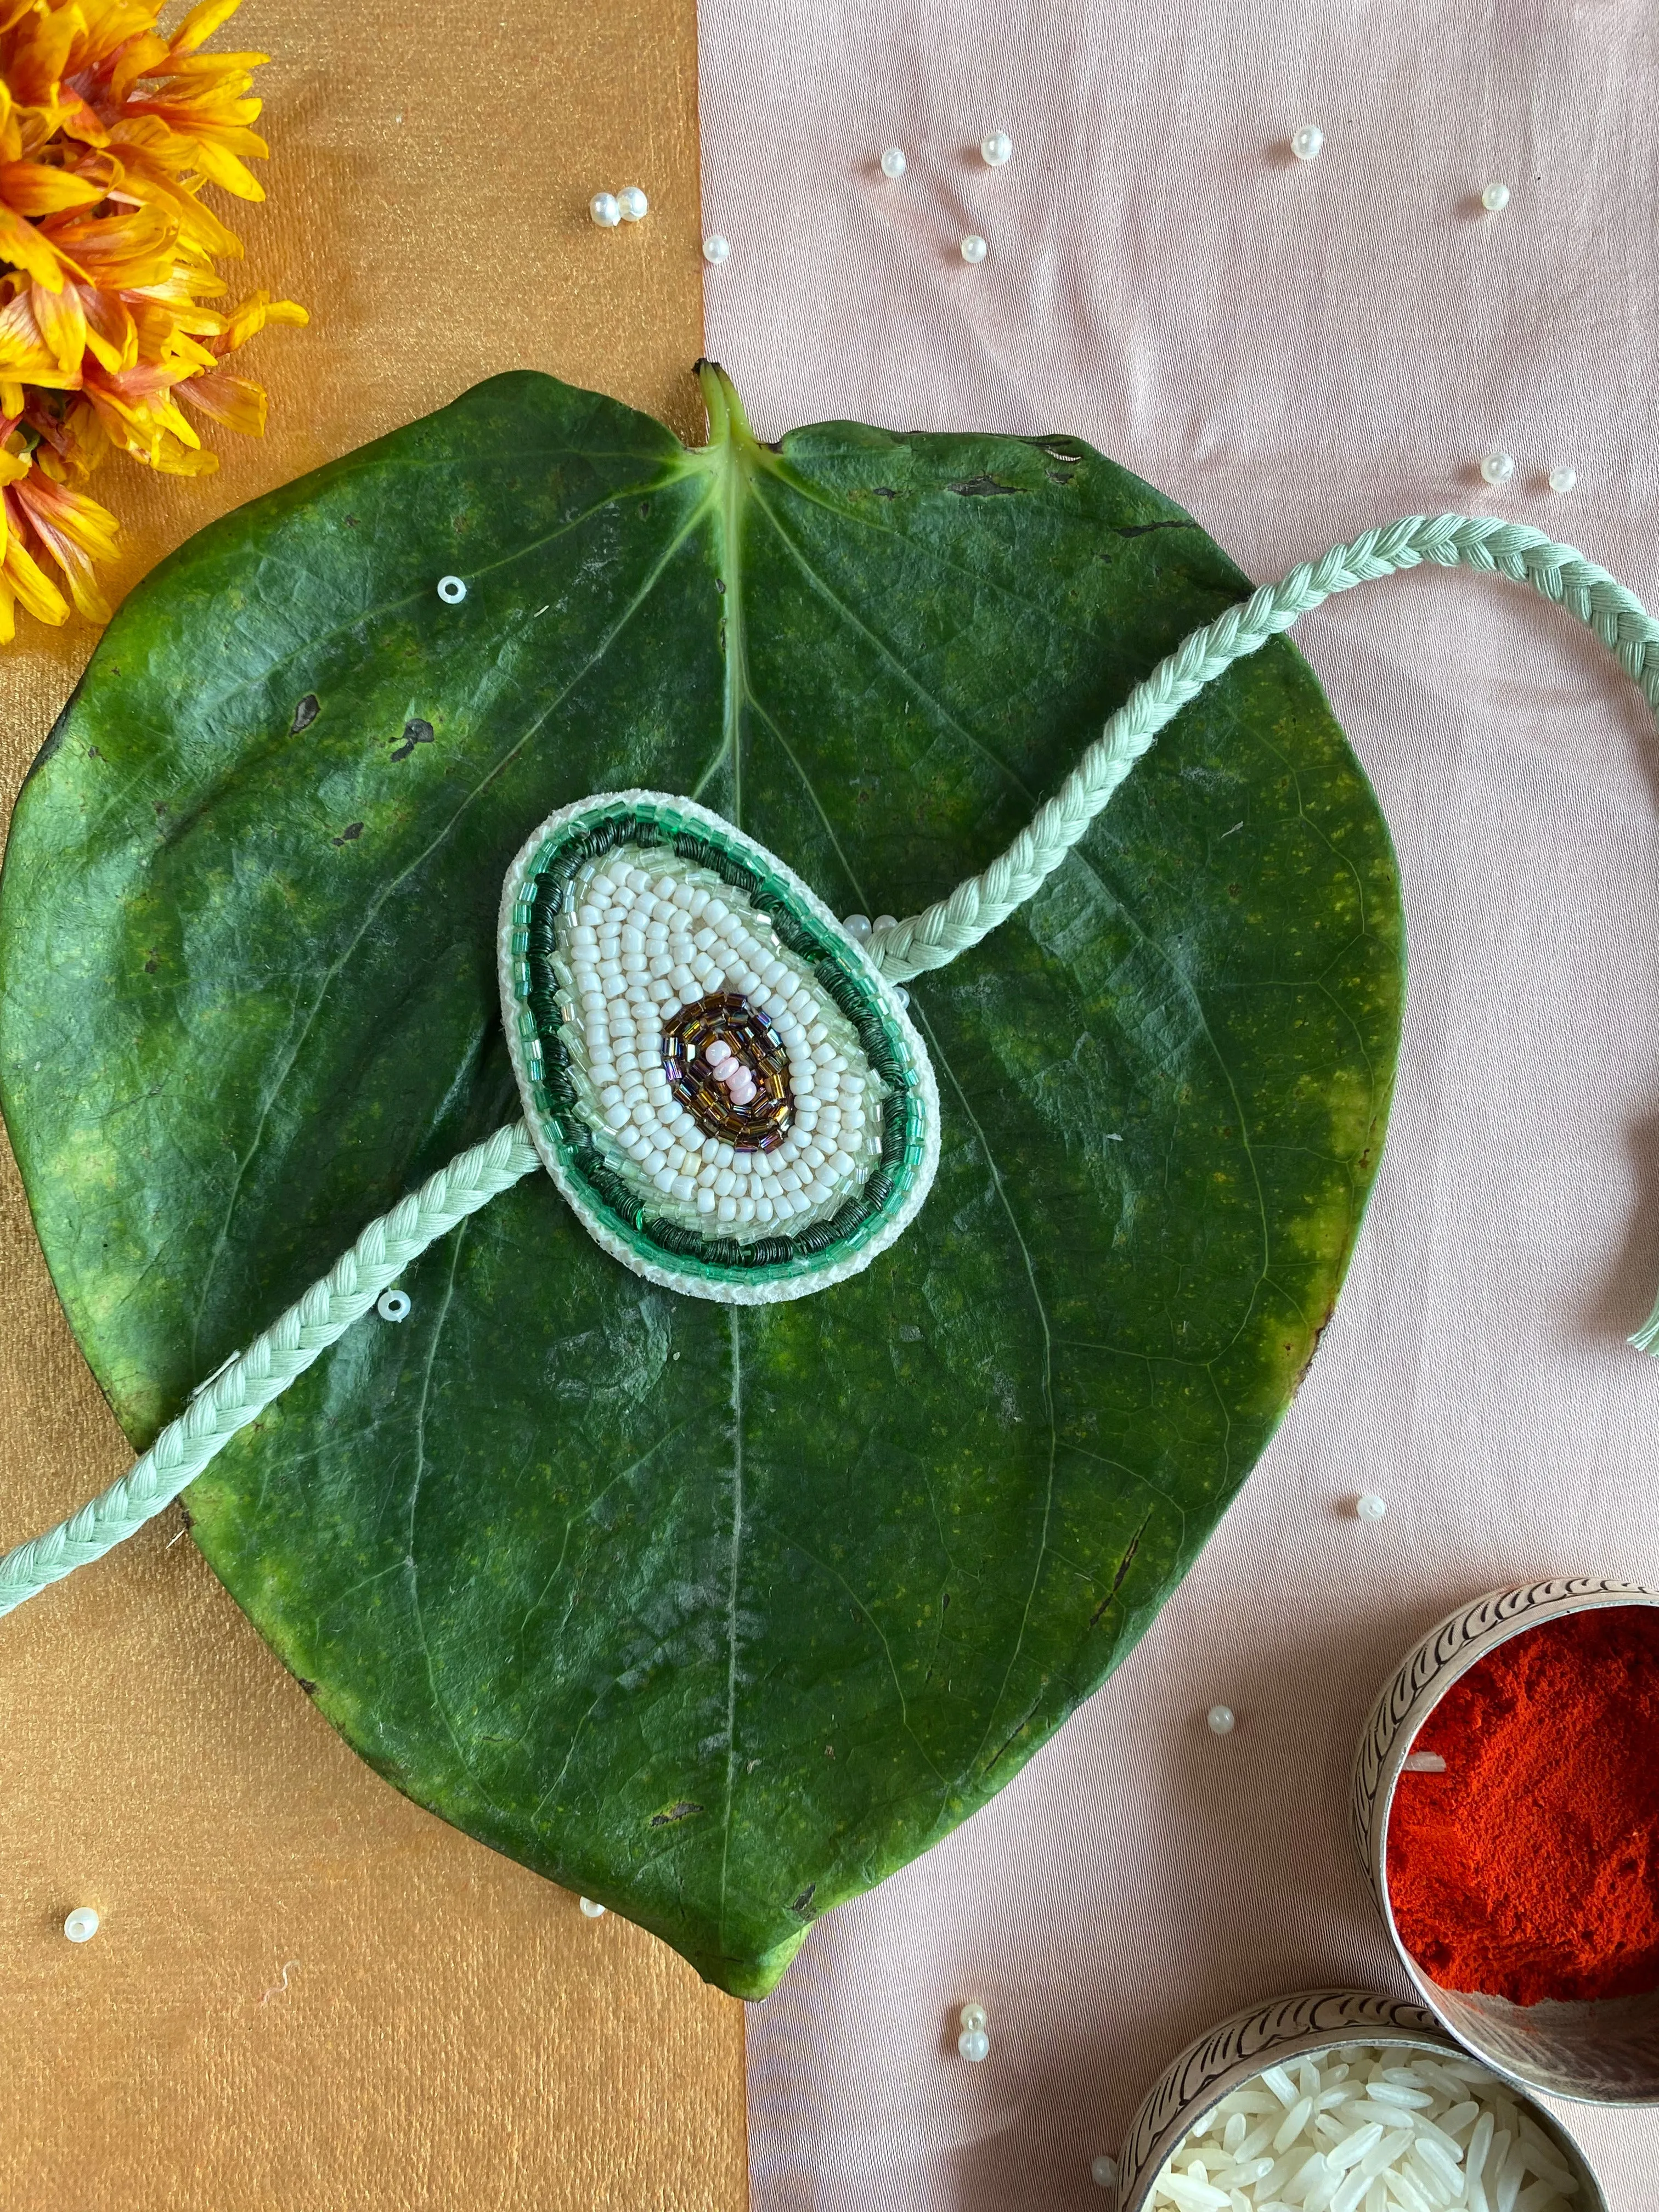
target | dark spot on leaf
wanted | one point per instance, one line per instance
(160, 806)
(882, 491)
(415, 733)
(151, 966)
(303, 714)
(1142, 529)
(351, 522)
(350, 834)
(719, 583)
(1123, 1566)
(683, 1811)
(985, 487)
(92, 753)
(805, 1899)
(645, 508)
(945, 1602)
(1233, 889)
(310, 1688)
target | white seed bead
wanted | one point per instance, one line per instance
(1220, 1719)
(83, 1924)
(994, 151)
(392, 1306)
(1370, 1507)
(716, 250)
(1495, 198)
(1105, 2170)
(893, 163)
(452, 590)
(1308, 142)
(971, 2016)
(973, 249)
(1563, 479)
(591, 1910)
(632, 205)
(1497, 468)
(604, 209)
(974, 2044)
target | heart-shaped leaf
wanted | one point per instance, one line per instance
(717, 1614)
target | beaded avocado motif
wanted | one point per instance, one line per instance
(719, 1079)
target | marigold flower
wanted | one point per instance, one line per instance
(109, 132)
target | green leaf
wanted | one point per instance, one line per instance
(717, 1615)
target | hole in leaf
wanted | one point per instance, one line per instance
(303, 714)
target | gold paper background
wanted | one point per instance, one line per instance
(452, 2033)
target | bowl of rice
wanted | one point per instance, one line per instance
(1460, 1688)
(1341, 2100)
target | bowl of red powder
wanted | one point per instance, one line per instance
(1506, 1802)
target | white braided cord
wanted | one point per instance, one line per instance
(246, 1384)
(1514, 550)
(249, 1383)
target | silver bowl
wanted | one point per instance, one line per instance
(1300, 2027)
(1601, 2052)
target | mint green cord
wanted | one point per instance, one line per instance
(231, 1399)
(246, 1384)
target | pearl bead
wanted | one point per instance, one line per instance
(1563, 479)
(1308, 142)
(605, 210)
(973, 249)
(83, 1924)
(452, 590)
(1495, 198)
(974, 2044)
(1220, 1719)
(856, 927)
(1497, 468)
(392, 1306)
(972, 2017)
(716, 250)
(995, 150)
(1105, 2170)
(893, 164)
(1370, 1507)
(590, 1910)
(632, 205)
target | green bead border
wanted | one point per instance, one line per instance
(546, 881)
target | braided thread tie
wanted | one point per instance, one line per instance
(247, 1384)
(1514, 550)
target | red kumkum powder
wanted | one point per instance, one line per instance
(1530, 1868)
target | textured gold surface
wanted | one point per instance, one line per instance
(452, 2033)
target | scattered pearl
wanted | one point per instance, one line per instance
(590, 1910)
(884, 921)
(452, 590)
(1308, 142)
(900, 994)
(1495, 198)
(856, 927)
(995, 150)
(974, 2044)
(973, 249)
(893, 163)
(81, 1925)
(1220, 1719)
(1370, 1507)
(392, 1306)
(632, 205)
(605, 210)
(1105, 2170)
(972, 2017)
(1497, 468)
(716, 250)
(1563, 479)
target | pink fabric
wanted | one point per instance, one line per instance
(1294, 352)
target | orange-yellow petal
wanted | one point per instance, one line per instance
(32, 251)
(33, 189)
(38, 594)
(62, 323)
(201, 23)
(235, 401)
